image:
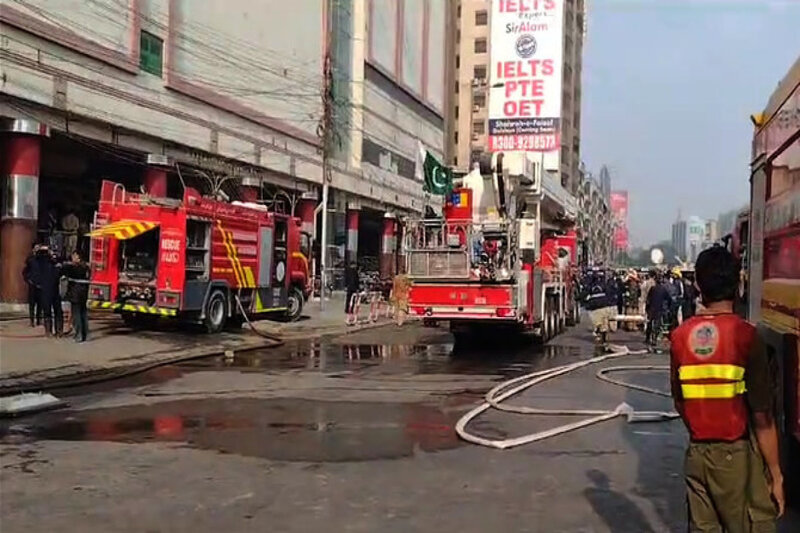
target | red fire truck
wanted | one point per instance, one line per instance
(773, 252)
(194, 258)
(503, 253)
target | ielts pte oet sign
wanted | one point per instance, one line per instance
(525, 75)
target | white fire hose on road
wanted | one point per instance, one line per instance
(521, 383)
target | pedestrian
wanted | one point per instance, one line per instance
(400, 289)
(722, 389)
(689, 304)
(46, 278)
(77, 273)
(659, 302)
(351, 286)
(34, 294)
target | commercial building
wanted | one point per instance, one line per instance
(595, 221)
(689, 238)
(235, 96)
(473, 83)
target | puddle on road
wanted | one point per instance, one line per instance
(280, 429)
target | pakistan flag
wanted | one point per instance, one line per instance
(437, 178)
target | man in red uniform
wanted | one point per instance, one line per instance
(722, 390)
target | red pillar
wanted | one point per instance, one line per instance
(352, 234)
(305, 212)
(250, 190)
(388, 246)
(155, 181)
(155, 175)
(401, 257)
(20, 158)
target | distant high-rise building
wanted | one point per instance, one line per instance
(473, 81)
(605, 181)
(689, 238)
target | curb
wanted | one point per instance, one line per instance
(60, 377)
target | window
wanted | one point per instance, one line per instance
(480, 45)
(456, 112)
(455, 137)
(479, 72)
(481, 18)
(151, 53)
(456, 86)
(458, 61)
(479, 100)
(479, 127)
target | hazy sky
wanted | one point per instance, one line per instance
(668, 88)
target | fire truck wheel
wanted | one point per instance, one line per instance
(294, 304)
(215, 312)
(546, 331)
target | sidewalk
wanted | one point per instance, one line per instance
(29, 361)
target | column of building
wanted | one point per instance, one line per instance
(388, 258)
(20, 159)
(351, 249)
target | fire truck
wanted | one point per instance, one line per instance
(773, 253)
(198, 259)
(502, 253)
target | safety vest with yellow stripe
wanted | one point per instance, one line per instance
(710, 353)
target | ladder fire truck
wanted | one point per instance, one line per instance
(502, 254)
(773, 254)
(198, 259)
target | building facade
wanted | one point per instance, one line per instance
(159, 94)
(472, 81)
(689, 238)
(595, 221)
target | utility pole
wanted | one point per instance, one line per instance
(326, 134)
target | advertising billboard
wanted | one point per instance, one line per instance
(525, 75)
(619, 212)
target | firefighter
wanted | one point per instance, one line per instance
(78, 273)
(657, 307)
(720, 383)
(46, 278)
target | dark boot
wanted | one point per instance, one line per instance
(48, 327)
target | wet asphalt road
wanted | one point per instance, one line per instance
(346, 434)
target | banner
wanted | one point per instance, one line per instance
(619, 213)
(525, 75)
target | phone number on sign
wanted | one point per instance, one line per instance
(535, 143)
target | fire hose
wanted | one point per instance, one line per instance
(277, 341)
(516, 385)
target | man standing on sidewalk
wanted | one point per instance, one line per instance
(34, 293)
(721, 387)
(77, 273)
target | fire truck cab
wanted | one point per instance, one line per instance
(198, 259)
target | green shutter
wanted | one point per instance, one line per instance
(151, 50)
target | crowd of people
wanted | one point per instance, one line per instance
(51, 280)
(663, 298)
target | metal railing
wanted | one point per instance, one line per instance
(446, 249)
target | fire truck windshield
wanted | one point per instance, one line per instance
(138, 256)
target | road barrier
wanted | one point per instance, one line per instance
(376, 307)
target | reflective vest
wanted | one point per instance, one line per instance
(710, 353)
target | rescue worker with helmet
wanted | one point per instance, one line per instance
(721, 388)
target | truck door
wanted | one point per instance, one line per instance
(280, 272)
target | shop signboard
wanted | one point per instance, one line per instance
(525, 77)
